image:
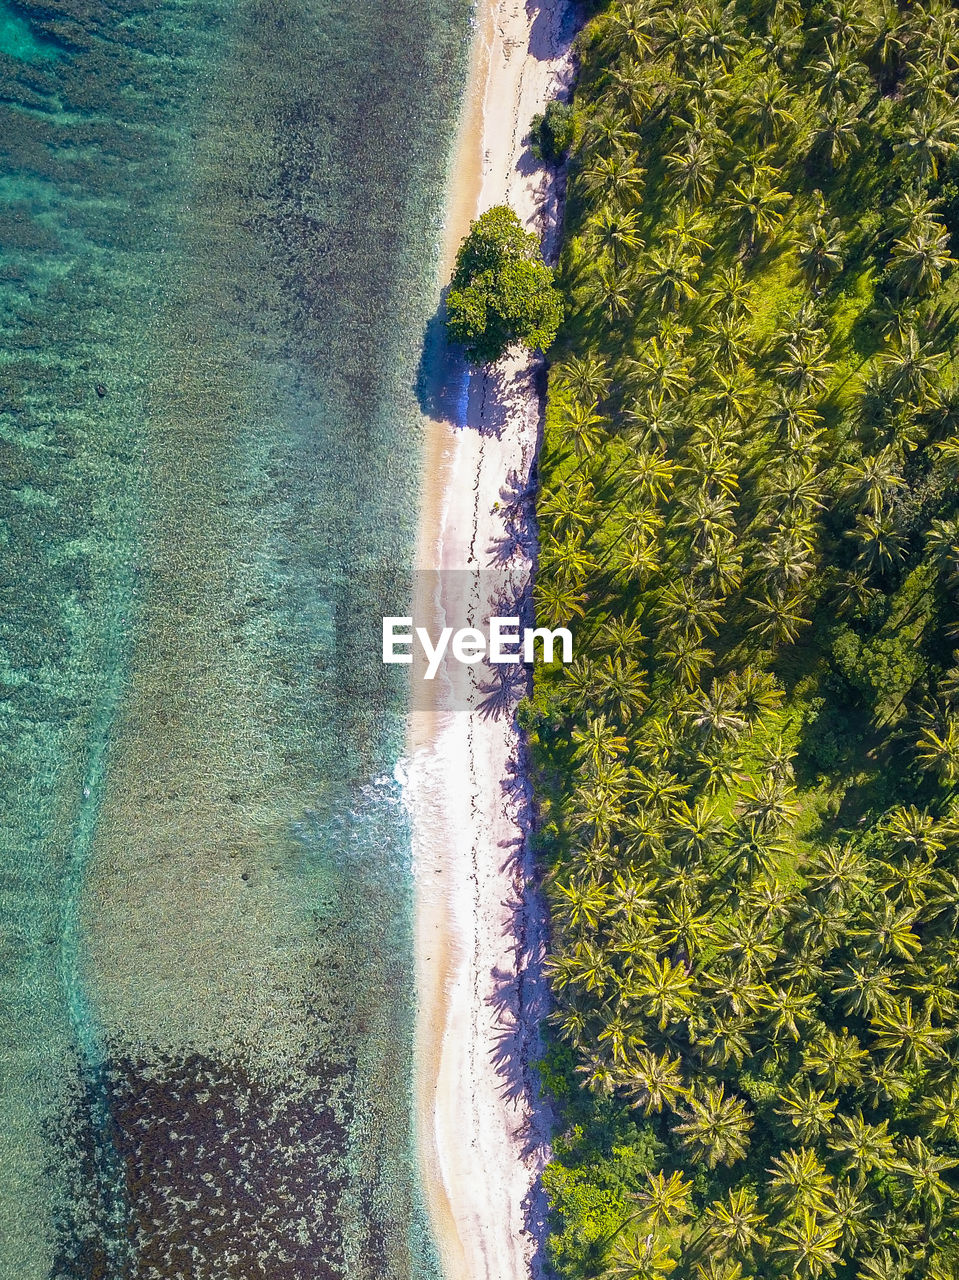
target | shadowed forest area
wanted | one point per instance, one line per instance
(747, 779)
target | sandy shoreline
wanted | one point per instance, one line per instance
(482, 1140)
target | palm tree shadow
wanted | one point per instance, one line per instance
(520, 1002)
(519, 536)
(503, 691)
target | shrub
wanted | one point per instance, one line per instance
(552, 134)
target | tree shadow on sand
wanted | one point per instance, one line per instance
(552, 28)
(519, 1002)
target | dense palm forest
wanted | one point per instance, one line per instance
(747, 779)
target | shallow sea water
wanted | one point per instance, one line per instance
(219, 227)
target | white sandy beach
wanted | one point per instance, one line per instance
(482, 1139)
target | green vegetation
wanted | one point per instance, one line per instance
(502, 292)
(747, 779)
(552, 134)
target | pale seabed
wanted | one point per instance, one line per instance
(218, 239)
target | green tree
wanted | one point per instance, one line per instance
(715, 1127)
(553, 133)
(502, 293)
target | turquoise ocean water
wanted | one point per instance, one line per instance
(218, 236)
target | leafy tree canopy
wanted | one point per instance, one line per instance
(502, 292)
(552, 134)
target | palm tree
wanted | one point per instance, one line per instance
(805, 367)
(599, 742)
(664, 1202)
(572, 1021)
(835, 136)
(839, 75)
(642, 1259)
(871, 482)
(888, 931)
(757, 851)
(787, 556)
(719, 1269)
(585, 427)
(866, 986)
(670, 278)
(938, 748)
(726, 1041)
(728, 337)
(809, 1245)
(919, 259)
(697, 828)
(614, 179)
(632, 87)
(880, 543)
(599, 1076)
(591, 967)
(794, 416)
(730, 290)
(780, 618)
(716, 32)
(615, 232)
(909, 369)
(652, 472)
(710, 519)
(798, 1179)
(883, 1266)
(580, 902)
(909, 1040)
(767, 804)
(682, 926)
(733, 394)
(663, 371)
(910, 880)
(686, 657)
(756, 211)
(851, 1210)
(733, 1224)
(765, 109)
(715, 1127)
(569, 510)
(913, 210)
(619, 684)
(923, 1170)
(716, 713)
(632, 28)
(615, 291)
(930, 136)
(686, 231)
(915, 831)
(838, 1060)
(586, 378)
(863, 1146)
(809, 1111)
(694, 168)
(606, 130)
(821, 251)
(558, 600)
(566, 559)
(665, 991)
(618, 1033)
(655, 1079)
(750, 944)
